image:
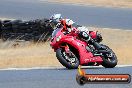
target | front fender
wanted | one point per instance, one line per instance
(80, 46)
(73, 42)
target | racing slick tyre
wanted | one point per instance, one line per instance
(110, 59)
(70, 62)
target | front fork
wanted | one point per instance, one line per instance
(68, 54)
(67, 49)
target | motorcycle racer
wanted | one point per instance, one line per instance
(83, 32)
(75, 45)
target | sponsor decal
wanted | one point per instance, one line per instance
(90, 59)
(83, 78)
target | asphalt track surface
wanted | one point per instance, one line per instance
(57, 78)
(85, 15)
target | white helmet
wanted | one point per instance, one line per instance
(56, 17)
(69, 22)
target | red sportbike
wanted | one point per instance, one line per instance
(71, 51)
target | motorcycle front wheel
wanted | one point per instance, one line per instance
(69, 61)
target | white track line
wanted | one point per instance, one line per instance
(37, 68)
(32, 68)
(117, 29)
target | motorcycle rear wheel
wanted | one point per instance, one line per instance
(109, 61)
(63, 59)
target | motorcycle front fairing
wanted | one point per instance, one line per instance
(58, 38)
(54, 43)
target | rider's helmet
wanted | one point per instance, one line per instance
(67, 22)
(56, 17)
(54, 20)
